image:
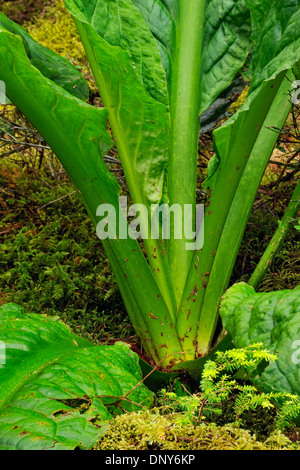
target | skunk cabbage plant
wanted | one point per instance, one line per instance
(159, 65)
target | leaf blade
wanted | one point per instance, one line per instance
(139, 118)
(58, 366)
(272, 318)
(227, 43)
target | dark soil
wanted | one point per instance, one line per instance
(24, 10)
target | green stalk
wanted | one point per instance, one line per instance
(238, 216)
(184, 106)
(235, 145)
(132, 306)
(278, 238)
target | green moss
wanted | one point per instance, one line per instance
(149, 430)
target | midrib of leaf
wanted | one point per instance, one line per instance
(184, 106)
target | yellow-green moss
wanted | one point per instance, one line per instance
(56, 30)
(239, 102)
(149, 430)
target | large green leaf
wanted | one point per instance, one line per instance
(226, 42)
(50, 64)
(148, 32)
(162, 18)
(125, 61)
(134, 49)
(203, 45)
(240, 142)
(120, 24)
(276, 38)
(76, 131)
(272, 318)
(126, 65)
(276, 49)
(57, 390)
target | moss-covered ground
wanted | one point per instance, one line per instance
(151, 431)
